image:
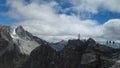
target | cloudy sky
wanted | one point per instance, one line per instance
(54, 20)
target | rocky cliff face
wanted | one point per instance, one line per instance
(76, 54)
(4, 32)
(20, 49)
(15, 45)
(25, 40)
(41, 57)
(6, 43)
(58, 46)
(22, 33)
(9, 52)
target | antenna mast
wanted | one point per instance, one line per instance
(79, 36)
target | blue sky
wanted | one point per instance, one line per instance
(101, 17)
(3, 9)
(60, 19)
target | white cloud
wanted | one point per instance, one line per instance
(43, 21)
(92, 6)
(112, 29)
(112, 5)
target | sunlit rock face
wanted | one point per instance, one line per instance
(42, 57)
(25, 40)
(18, 38)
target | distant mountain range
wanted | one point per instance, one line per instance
(21, 49)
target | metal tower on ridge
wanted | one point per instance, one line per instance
(79, 36)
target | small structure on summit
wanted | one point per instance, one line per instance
(113, 42)
(78, 36)
(107, 42)
(110, 42)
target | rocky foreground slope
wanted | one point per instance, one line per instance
(20, 49)
(76, 54)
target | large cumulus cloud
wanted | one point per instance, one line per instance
(93, 6)
(42, 19)
(112, 29)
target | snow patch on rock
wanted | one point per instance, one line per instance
(26, 46)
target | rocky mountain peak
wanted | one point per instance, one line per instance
(91, 42)
(8, 50)
(5, 28)
(22, 33)
(25, 40)
(5, 32)
(20, 29)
